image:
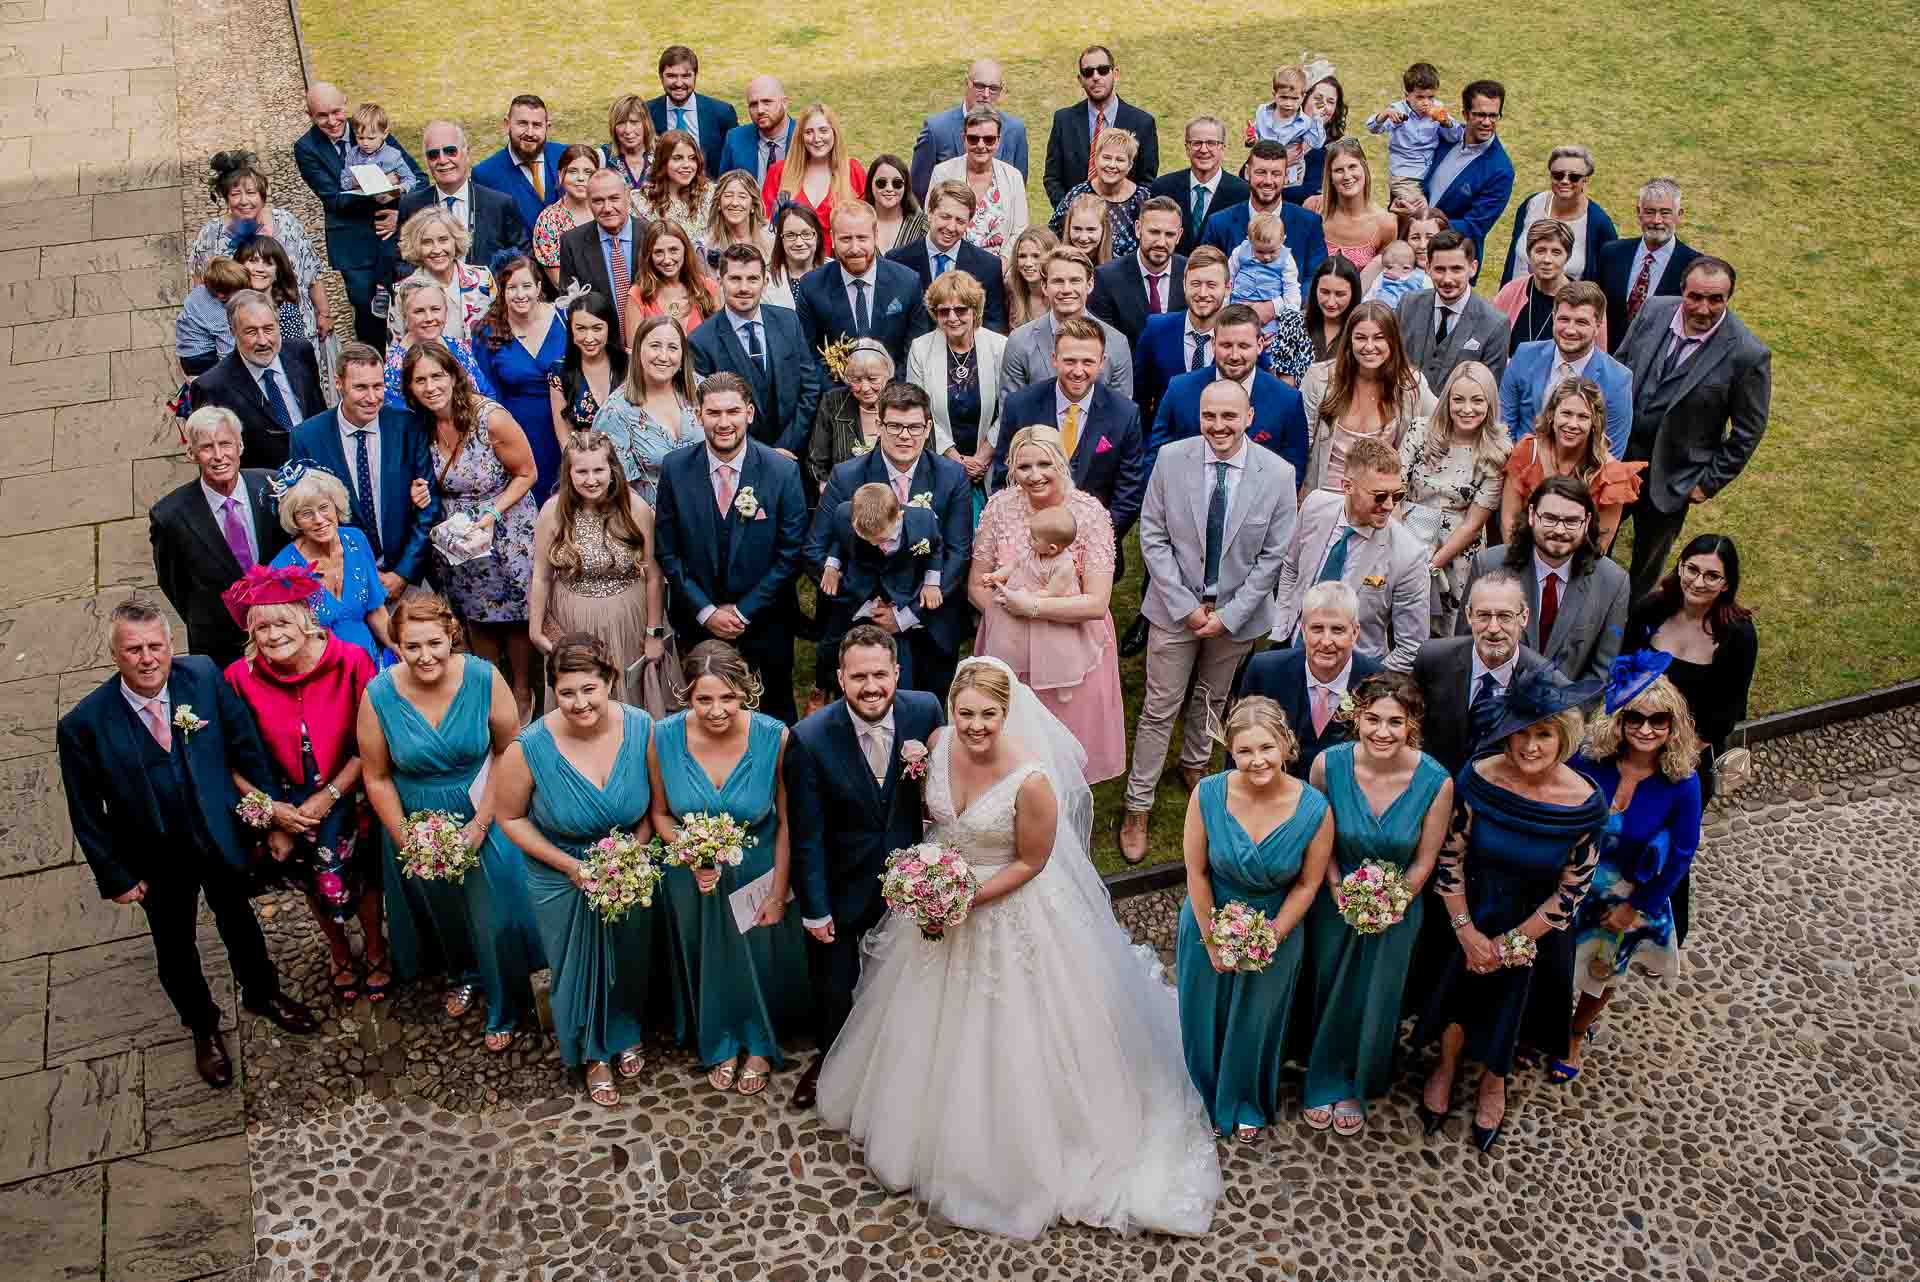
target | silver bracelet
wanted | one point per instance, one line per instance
(1460, 919)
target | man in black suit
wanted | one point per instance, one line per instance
(1651, 265)
(858, 294)
(211, 531)
(268, 382)
(1150, 282)
(1070, 141)
(1204, 185)
(680, 107)
(950, 207)
(764, 345)
(1465, 678)
(148, 761)
(492, 220)
(601, 253)
(357, 226)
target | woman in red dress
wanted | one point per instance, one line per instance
(825, 172)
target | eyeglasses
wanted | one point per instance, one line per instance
(905, 431)
(1705, 578)
(1631, 720)
(888, 184)
(1568, 175)
(1204, 144)
(1505, 618)
(1098, 69)
(798, 237)
(983, 140)
(986, 88)
(434, 153)
(957, 309)
(1483, 115)
(1559, 522)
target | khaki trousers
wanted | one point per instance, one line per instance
(1179, 662)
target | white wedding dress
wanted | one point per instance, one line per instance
(1027, 1068)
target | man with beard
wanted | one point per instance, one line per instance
(1464, 678)
(1178, 342)
(1279, 417)
(528, 167)
(1651, 265)
(1149, 282)
(764, 139)
(857, 293)
(1266, 179)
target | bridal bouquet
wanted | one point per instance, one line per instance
(708, 841)
(619, 872)
(1244, 937)
(931, 884)
(1373, 897)
(435, 848)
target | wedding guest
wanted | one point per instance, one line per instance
(899, 218)
(1356, 229)
(1326, 101)
(604, 255)
(527, 168)
(677, 191)
(708, 119)
(671, 280)
(742, 990)
(267, 382)
(1528, 299)
(736, 219)
(433, 241)
(1068, 274)
(422, 306)
(880, 552)
(1025, 275)
(1266, 175)
(491, 218)
(652, 413)
(1041, 479)
(1311, 681)
(1651, 265)
(1233, 1023)
(520, 341)
(1574, 351)
(427, 731)
(998, 186)
(1569, 438)
(1516, 863)
(943, 137)
(1180, 342)
(857, 294)
(1367, 390)
(592, 369)
(1449, 324)
(943, 249)
(1114, 157)
(271, 272)
(1463, 679)
(239, 187)
(798, 248)
(630, 137)
(212, 530)
(1203, 186)
(1471, 180)
(569, 779)
(1333, 291)
(1454, 463)
(1088, 230)
(1279, 422)
(1390, 806)
(847, 424)
(303, 686)
(1073, 141)
(200, 333)
(152, 810)
(1643, 757)
(358, 227)
(1567, 200)
(825, 176)
(578, 164)
(764, 345)
(1419, 228)
(958, 366)
(349, 599)
(1149, 282)
(756, 145)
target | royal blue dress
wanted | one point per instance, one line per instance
(520, 385)
(1355, 979)
(600, 971)
(736, 992)
(1645, 852)
(345, 615)
(1234, 1026)
(480, 931)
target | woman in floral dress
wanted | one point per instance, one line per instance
(652, 414)
(1454, 464)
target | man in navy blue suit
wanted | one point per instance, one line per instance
(944, 248)
(755, 146)
(269, 382)
(492, 220)
(528, 167)
(1179, 342)
(382, 458)
(1149, 282)
(764, 345)
(1309, 680)
(1266, 180)
(708, 119)
(1070, 141)
(1204, 187)
(1536, 368)
(1651, 265)
(858, 294)
(853, 803)
(943, 135)
(729, 526)
(1279, 417)
(147, 761)
(1472, 180)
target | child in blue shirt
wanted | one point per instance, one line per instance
(1415, 127)
(879, 554)
(1264, 272)
(1283, 122)
(1400, 275)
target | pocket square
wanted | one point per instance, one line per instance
(1103, 446)
(1375, 581)
(759, 514)
(893, 308)
(1263, 437)
(1472, 345)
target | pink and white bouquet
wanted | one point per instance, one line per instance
(930, 883)
(620, 872)
(1244, 937)
(708, 841)
(1373, 897)
(255, 810)
(913, 757)
(435, 847)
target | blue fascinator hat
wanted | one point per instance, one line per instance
(1533, 698)
(1632, 674)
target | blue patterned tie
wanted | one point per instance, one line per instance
(368, 501)
(1216, 526)
(276, 403)
(862, 320)
(754, 351)
(1199, 360)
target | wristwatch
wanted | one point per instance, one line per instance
(1460, 919)
(656, 634)
(334, 793)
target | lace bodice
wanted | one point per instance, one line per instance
(984, 834)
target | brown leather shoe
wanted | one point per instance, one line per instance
(211, 1058)
(1133, 836)
(1191, 777)
(805, 1089)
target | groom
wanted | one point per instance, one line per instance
(852, 805)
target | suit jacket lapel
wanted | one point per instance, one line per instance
(199, 519)
(1252, 483)
(1711, 354)
(1201, 494)
(850, 744)
(1571, 602)
(1083, 449)
(749, 475)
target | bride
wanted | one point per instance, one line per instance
(1027, 1067)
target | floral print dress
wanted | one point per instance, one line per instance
(1440, 494)
(490, 588)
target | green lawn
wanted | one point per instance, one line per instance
(1813, 199)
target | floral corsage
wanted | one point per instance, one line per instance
(1516, 948)
(745, 502)
(923, 548)
(913, 759)
(185, 722)
(255, 810)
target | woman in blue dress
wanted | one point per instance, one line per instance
(652, 414)
(1644, 756)
(351, 602)
(1390, 806)
(429, 730)
(572, 777)
(737, 992)
(1519, 854)
(1234, 1025)
(522, 339)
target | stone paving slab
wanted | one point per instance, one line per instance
(72, 1116)
(109, 997)
(178, 1215)
(50, 1227)
(23, 1016)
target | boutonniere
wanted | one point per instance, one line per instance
(185, 722)
(913, 758)
(1375, 581)
(923, 499)
(1346, 710)
(862, 447)
(745, 503)
(923, 548)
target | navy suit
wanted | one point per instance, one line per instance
(352, 247)
(1306, 238)
(917, 257)
(742, 149)
(1160, 355)
(844, 826)
(494, 221)
(230, 384)
(1281, 675)
(867, 574)
(500, 172)
(820, 300)
(165, 817)
(749, 563)
(1475, 199)
(1109, 460)
(405, 457)
(1069, 143)
(943, 136)
(1614, 275)
(1120, 295)
(1231, 190)
(1279, 416)
(786, 393)
(195, 565)
(712, 120)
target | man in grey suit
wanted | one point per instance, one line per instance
(1352, 535)
(1702, 384)
(1068, 280)
(1576, 597)
(1214, 530)
(942, 134)
(1464, 678)
(1450, 324)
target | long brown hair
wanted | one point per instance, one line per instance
(839, 162)
(636, 384)
(465, 408)
(693, 266)
(1398, 375)
(564, 555)
(498, 330)
(657, 193)
(1023, 304)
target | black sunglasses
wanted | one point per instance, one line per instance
(1633, 720)
(434, 153)
(1098, 69)
(1567, 175)
(983, 140)
(888, 184)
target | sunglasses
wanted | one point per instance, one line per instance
(434, 153)
(1632, 720)
(888, 184)
(953, 310)
(1382, 497)
(1567, 175)
(1098, 69)
(982, 140)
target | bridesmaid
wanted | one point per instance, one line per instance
(429, 730)
(571, 777)
(737, 991)
(1390, 806)
(1235, 1025)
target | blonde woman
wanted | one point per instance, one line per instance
(1570, 439)
(1026, 275)
(629, 145)
(818, 173)
(1111, 182)
(735, 218)
(1087, 229)
(1454, 464)
(436, 242)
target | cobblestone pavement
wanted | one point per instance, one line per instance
(1754, 1119)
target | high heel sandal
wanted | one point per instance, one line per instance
(378, 992)
(754, 1080)
(1245, 1134)
(629, 1062)
(721, 1076)
(1355, 1115)
(499, 1040)
(1431, 1121)
(346, 994)
(600, 1089)
(458, 1000)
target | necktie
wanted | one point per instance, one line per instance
(862, 320)
(1322, 710)
(363, 483)
(1070, 432)
(236, 534)
(757, 356)
(1199, 360)
(1487, 688)
(900, 490)
(157, 726)
(1216, 526)
(1641, 284)
(1336, 563)
(680, 119)
(1446, 324)
(622, 277)
(1485, 709)
(1199, 210)
(1154, 304)
(276, 404)
(940, 264)
(1681, 346)
(1562, 371)
(874, 741)
(1549, 608)
(723, 487)
(452, 205)
(538, 178)
(767, 157)
(1093, 143)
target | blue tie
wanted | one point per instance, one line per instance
(363, 482)
(1484, 711)
(451, 200)
(1199, 360)
(758, 356)
(1336, 562)
(276, 404)
(862, 320)
(680, 119)
(1216, 527)
(940, 264)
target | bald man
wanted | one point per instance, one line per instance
(941, 136)
(756, 145)
(356, 224)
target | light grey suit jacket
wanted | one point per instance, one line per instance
(1173, 538)
(1029, 357)
(1386, 568)
(1588, 627)
(1481, 334)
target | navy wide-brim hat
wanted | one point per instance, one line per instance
(1531, 699)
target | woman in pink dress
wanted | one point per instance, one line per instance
(1356, 229)
(1040, 479)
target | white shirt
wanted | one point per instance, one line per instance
(740, 324)
(1453, 166)
(350, 451)
(534, 171)
(1502, 675)
(934, 251)
(138, 702)
(714, 464)
(1187, 332)
(872, 272)
(1661, 257)
(285, 389)
(1454, 310)
(1060, 403)
(462, 203)
(218, 502)
(1563, 369)
(1236, 468)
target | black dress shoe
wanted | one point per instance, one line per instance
(1485, 1137)
(805, 1090)
(1135, 642)
(211, 1058)
(285, 1012)
(1430, 1120)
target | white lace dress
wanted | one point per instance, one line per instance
(1027, 1068)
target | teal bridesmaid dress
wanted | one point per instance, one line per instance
(1357, 980)
(480, 931)
(600, 971)
(1234, 1026)
(737, 992)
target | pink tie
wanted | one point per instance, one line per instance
(900, 489)
(1322, 710)
(157, 726)
(723, 487)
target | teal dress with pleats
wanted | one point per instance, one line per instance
(600, 971)
(1234, 1026)
(481, 930)
(736, 992)
(1357, 980)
